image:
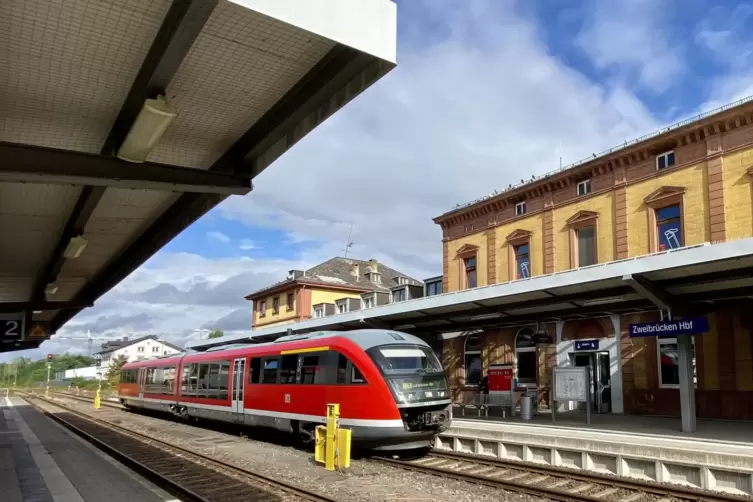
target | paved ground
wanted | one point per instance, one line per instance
(42, 462)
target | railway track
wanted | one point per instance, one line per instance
(189, 475)
(552, 483)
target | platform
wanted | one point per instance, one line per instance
(718, 457)
(42, 462)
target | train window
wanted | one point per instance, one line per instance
(270, 371)
(347, 372)
(224, 379)
(288, 369)
(254, 376)
(310, 370)
(355, 375)
(213, 381)
(203, 380)
(342, 369)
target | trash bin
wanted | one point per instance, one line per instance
(525, 407)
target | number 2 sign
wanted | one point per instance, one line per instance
(11, 326)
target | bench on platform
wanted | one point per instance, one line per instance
(481, 403)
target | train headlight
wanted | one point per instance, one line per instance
(401, 397)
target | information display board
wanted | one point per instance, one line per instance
(571, 384)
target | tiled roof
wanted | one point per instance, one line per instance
(340, 272)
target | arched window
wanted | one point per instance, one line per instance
(472, 360)
(525, 357)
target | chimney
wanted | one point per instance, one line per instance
(374, 265)
(295, 274)
(125, 338)
(355, 271)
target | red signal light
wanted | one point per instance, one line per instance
(49, 357)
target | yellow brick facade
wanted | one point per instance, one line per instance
(692, 179)
(601, 204)
(696, 213)
(738, 202)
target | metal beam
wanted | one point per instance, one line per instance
(10, 307)
(502, 309)
(180, 28)
(31, 164)
(334, 71)
(650, 291)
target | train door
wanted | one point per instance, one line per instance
(239, 384)
(141, 379)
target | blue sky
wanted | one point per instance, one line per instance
(485, 93)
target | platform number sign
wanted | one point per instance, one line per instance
(11, 326)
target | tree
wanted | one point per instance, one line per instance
(113, 374)
(217, 333)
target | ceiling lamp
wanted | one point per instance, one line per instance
(75, 247)
(51, 289)
(153, 120)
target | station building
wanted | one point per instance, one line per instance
(555, 271)
(680, 187)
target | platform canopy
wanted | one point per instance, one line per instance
(248, 79)
(687, 281)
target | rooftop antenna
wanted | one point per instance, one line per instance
(560, 154)
(349, 243)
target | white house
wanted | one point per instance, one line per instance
(144, 347)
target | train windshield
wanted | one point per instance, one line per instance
(405, 359)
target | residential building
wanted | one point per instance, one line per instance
(685, 185)
(144, 347)
(337, 286)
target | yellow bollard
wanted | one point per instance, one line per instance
(333, 422)
(331, 443)
(97, 400)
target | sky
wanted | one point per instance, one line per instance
(483, 91)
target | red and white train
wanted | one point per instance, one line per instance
(390, 386)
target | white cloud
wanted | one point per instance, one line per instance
(247, 245)
(631, 38)
(218, 236)
(482, 105)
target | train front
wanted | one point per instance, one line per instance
(419, 386)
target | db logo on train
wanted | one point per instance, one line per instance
(287, 398)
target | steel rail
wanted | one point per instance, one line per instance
(200, 460)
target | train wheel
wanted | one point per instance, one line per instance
(306, 433)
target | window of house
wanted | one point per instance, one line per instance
(319, 311)
(472, 360)
(290, 301)
(522, 261)
(374, 277)
(141, 349)
(398, 295)
(155, 349)
(276, 305)
(368, 302)
(470, 272)
(664, 160)
(586, 246)
(584, 187)
(520, 208)
(525, 357)
(668, 227)
(434, 288)
(262, 308)
(669, 362)
(342, 307)
(402, 281)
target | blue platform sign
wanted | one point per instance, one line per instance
(675, 327)
(586, 344)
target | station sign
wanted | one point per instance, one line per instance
(674, 327)
(587, 345)
(12, 326)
